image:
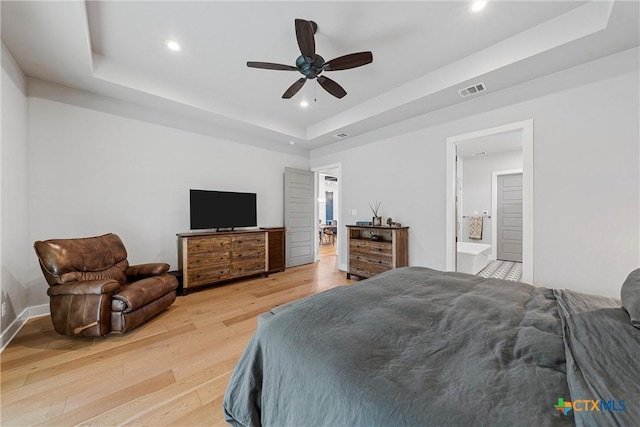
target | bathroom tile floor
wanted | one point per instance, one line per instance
(506, 270)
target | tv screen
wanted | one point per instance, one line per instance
(222, 209)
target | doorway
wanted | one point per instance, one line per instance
(483, 214)
(327, 212)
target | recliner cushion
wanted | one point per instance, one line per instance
(101, 257)
(90, 287)
(116, 272)
(141, 271)
(134, 295)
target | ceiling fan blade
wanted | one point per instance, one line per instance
(304, 34)
(294, 88)
(332, 87)
(352, 60)
(270, 66)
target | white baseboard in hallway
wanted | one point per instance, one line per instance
(505, 270)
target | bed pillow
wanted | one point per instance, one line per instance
(630, 295)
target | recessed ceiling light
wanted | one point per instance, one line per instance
(173, 45)
(292, 143)
(304, 104)
(478, 5)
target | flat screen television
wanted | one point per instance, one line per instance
(222, 209)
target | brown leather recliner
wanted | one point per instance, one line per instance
(94, 291)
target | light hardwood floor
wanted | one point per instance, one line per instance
(173, 370)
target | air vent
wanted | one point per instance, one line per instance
(340, 135)
(472, 90)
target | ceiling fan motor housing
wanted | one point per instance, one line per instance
(310, 67)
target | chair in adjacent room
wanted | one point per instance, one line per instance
(94, 291)
(330, 234)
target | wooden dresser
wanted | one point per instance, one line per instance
(374, 250)
(206, 258)
(276, 248)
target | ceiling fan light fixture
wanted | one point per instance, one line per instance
(477, 6)
(304, 104)
(173, 45)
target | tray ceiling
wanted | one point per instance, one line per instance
(424, 52)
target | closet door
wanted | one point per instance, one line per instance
(298, 216)
(510, 217)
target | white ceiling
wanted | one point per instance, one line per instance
(424, 52)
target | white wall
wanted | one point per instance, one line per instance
(93, 172)
(15, 250)
(586, 178)
(476, 181)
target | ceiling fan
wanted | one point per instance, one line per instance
(311, 64)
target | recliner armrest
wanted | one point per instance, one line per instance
(84, 287)
(140, 271)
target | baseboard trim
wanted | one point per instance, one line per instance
(18, 323)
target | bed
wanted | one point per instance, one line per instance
(415, 347)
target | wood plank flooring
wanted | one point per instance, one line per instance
(173, 370)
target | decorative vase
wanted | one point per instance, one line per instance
(377, 221)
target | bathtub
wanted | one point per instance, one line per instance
(472, 257)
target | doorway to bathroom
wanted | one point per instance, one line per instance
(489, 202)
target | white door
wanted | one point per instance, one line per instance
(298, 216)
(510, 217)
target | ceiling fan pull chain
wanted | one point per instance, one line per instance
(315, 92)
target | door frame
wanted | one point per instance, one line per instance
(526, 126)
(341, 226)
(494, 209)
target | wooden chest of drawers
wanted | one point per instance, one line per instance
(374, 250)
(207, 258)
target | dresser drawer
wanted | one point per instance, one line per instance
(369, 246)
(249, 253)
(372, 258)
(365, 269)
(203, 276)
(213, 260)
(208, 244)
(247, 266)
(248, 241)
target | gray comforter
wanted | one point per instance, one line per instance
(416, 347)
